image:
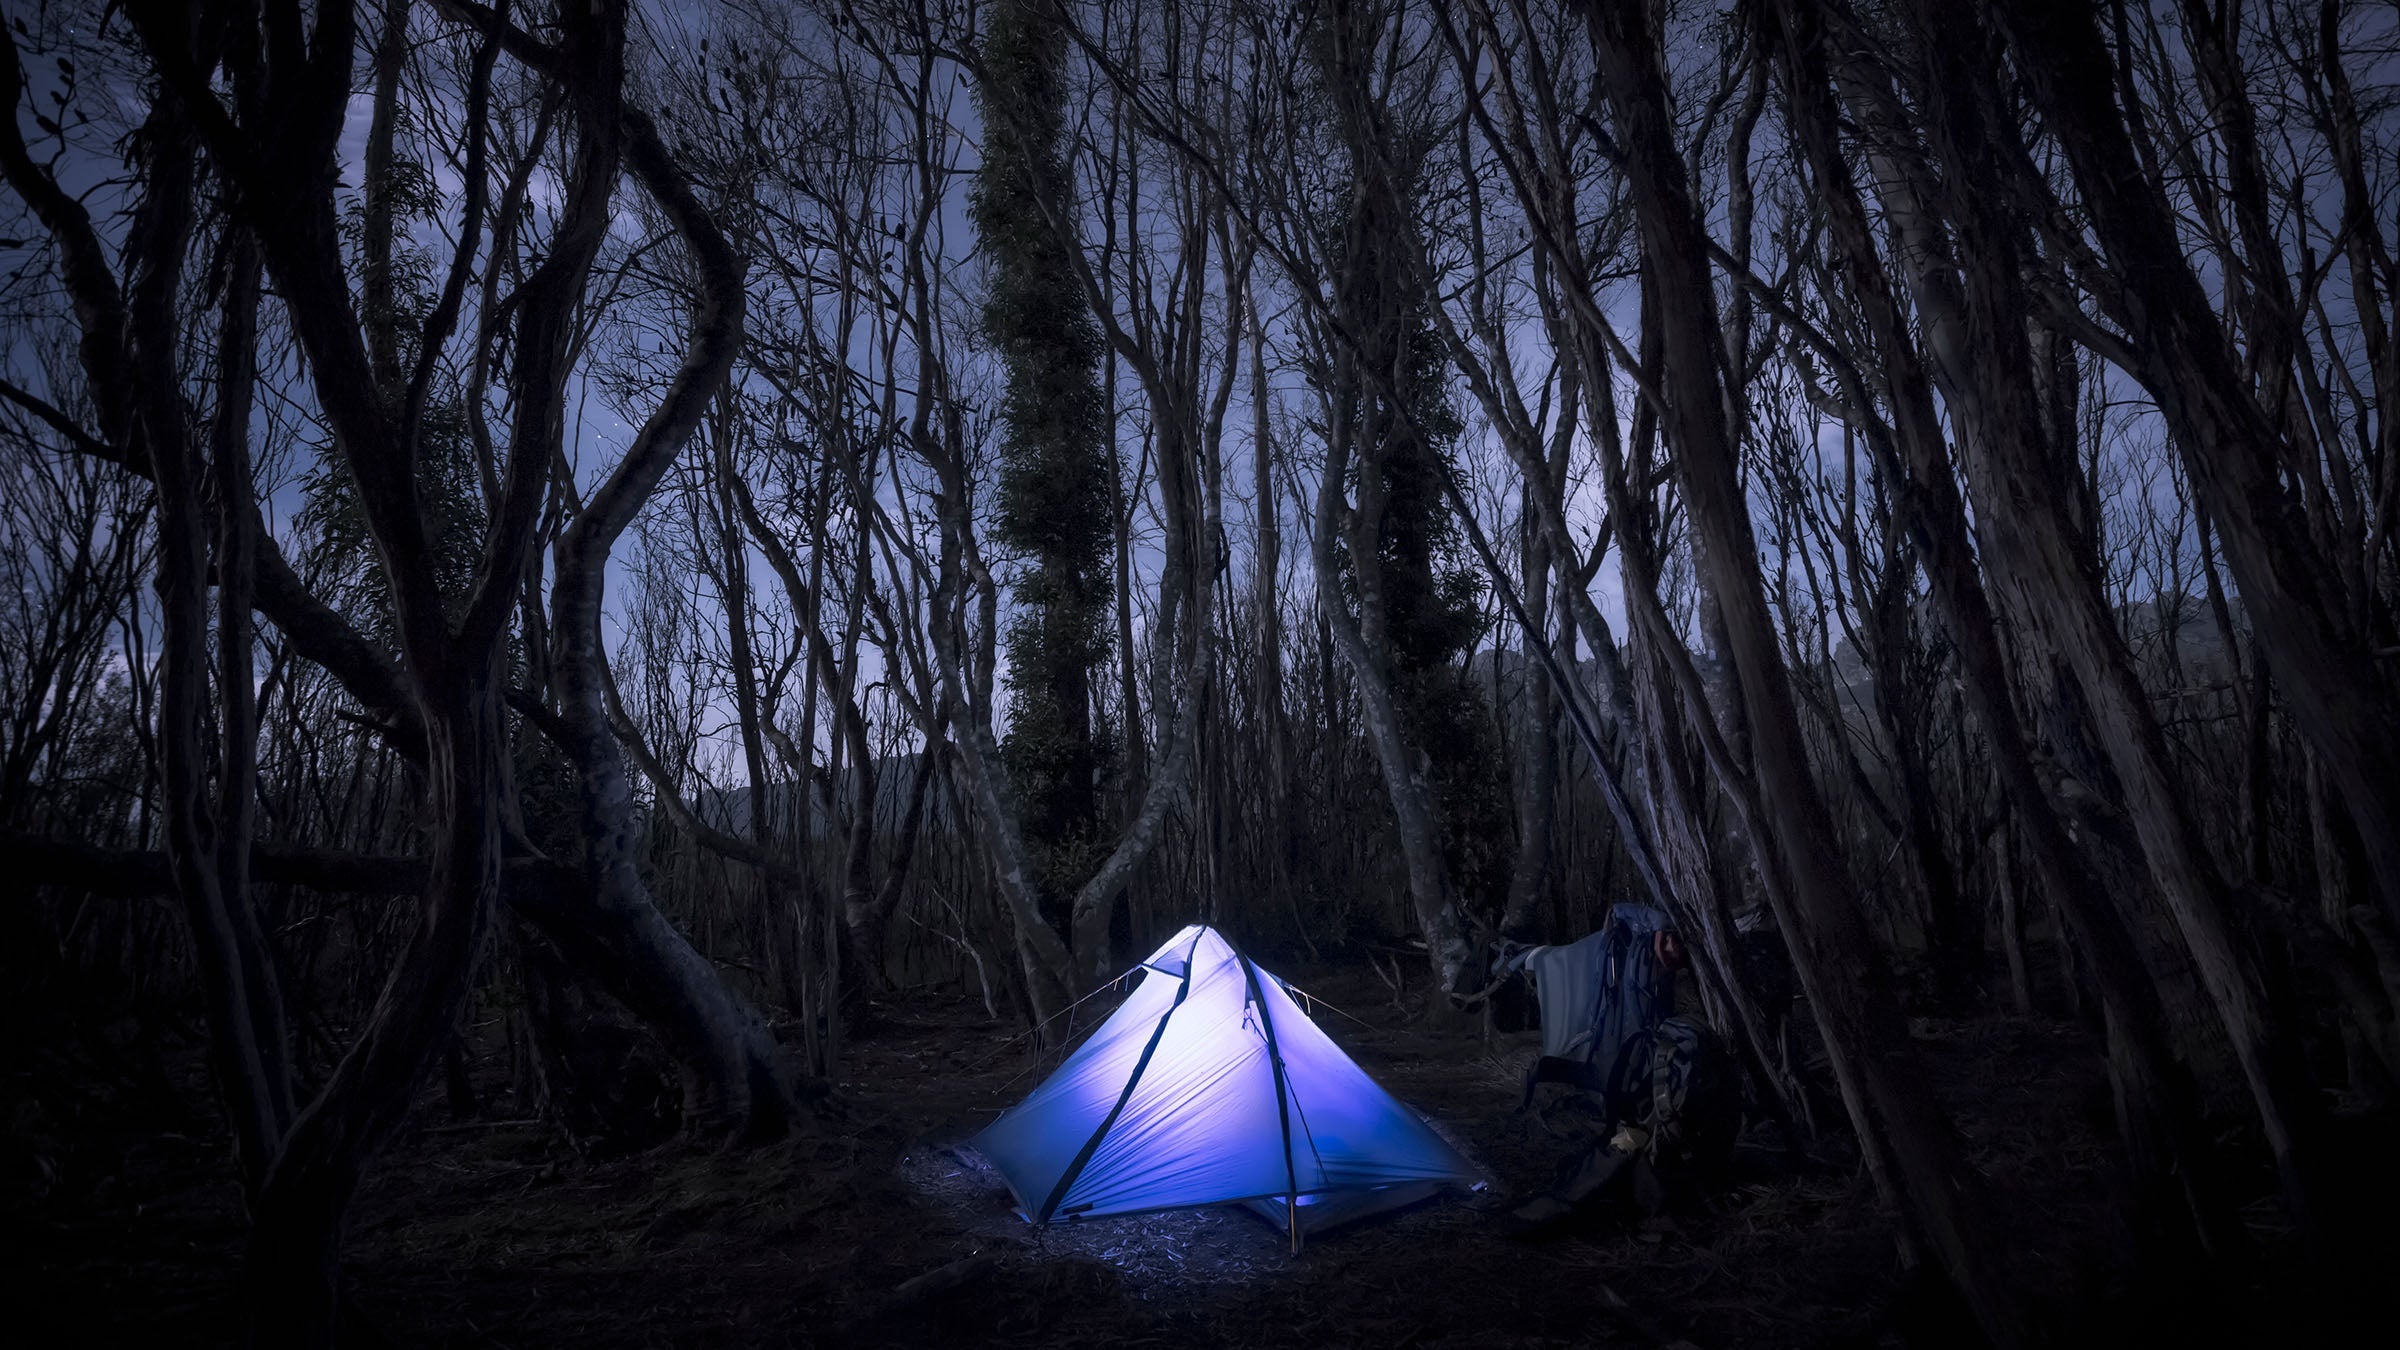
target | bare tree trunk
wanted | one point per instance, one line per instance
(210, 856)
(733, 587)
(1682, 876)
(296, 1222)
(1677, 810)
(1266, 603)
(1404, 777)
(1953, 929)
(1982, 361)
(2168, 1158)
(1883, 1083)
(740, 1090)
(1123, 498)
(2230, 446)
(1537, 776)
(2012, 921)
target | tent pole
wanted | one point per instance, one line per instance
(1067, 1178)
(1283, 1098)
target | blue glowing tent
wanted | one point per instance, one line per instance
(1209, 1086)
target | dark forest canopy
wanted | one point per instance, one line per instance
(685, 526)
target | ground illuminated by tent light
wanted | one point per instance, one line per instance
(1164, 1253)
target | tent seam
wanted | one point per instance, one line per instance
(1074, 1172)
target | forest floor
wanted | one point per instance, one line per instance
(493, 1233)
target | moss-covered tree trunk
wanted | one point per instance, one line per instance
(1399, 567)
(1055, 513)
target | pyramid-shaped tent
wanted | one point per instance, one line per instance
(1210, 1086)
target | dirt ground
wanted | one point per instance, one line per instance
(493, 1233)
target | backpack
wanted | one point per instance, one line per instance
(1600, 1000)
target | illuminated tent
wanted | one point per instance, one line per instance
(1210, 1086)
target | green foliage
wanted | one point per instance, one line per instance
(341, 551)
(340, 554)
(410, 192)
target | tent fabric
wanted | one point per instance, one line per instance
(1210, 1086)
(1596, 992)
